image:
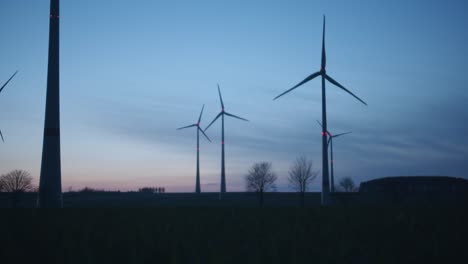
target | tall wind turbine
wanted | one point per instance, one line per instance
(1, 89)
(330, 143)
(325, 76)
(222, 114)
(50, 183)
(197, 125)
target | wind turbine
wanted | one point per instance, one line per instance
(222, 114)
(330, 142)
(50, 181)
(197, 125)
(1, 89)
(325, 76)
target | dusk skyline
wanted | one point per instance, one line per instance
(132, 73)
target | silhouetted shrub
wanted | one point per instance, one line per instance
(16, 181)
(89, 190)
(347, 185)
(149, 190)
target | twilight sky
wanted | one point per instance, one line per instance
(134, 71)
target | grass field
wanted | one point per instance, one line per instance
(234, 235)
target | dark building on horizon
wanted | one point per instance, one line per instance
(415, 190)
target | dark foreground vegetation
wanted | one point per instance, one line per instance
(105, 199)
(147, 227)
(234, 235)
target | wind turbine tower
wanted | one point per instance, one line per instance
(50, 182)
(330, 143)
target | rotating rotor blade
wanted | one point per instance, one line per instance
(213, 121)
(1, 135)
(201, 130)
(201, 113)
(220, 97)
(320, 124)
(330, 79)
(8, 81)
(310, 77)
(231, 115)
(324, 57)
(337, 135)
(194, 125)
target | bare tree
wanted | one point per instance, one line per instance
(260, 179)
(347, 185)
(16, 182)
(301, 174)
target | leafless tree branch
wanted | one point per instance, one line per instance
(347, 185)
(16, 181)
(301, 174)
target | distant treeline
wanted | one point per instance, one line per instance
(140, 190)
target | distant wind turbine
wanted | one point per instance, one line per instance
(330, 143)
(322, 72)
(1, 89)
(222, 114)
(197, 125)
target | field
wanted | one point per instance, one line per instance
(235, 234)
(149, 200)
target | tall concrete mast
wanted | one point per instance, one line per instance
(50, 183)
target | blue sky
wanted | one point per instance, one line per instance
(134, 71)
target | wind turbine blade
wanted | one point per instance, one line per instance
(2, 136)
(329, 139)
(312, 76)
(320, 124)
(201, 113)
(330, 79)
(213, 120)
(337, 135)
(194, 125)
(328, 133)
(220, 97)
(324, 57)
(231, 115)
(8, 81)
(201, 130)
